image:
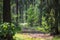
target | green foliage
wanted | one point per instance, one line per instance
(56, 37)
(32, 14)
(45, 26)
(8, 28)
(51, 20)
(52, 17)
(41, 29)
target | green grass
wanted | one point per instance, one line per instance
(56, 37)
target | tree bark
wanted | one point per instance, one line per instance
(7, 15)
(6, 11)
(56, 22)
(56, 16)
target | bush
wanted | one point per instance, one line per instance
(8, 29)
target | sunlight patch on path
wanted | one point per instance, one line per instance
(32, 37)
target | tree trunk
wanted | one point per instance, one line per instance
(0, 18)
(6, 11)
(7, 15)
(40, 15)
(56, 21)
(56, 16)
(17, 12)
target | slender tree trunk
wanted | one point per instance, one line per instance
(0, 18)
(40, 15)
(56, 22)
(56, 16)
(17, 12)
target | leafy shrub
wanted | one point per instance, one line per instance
(32, 14)
(8, 28)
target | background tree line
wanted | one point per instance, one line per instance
(43, 14)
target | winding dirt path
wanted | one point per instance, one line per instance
(38, 35)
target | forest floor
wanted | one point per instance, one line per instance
(38, 35)
(35, 36)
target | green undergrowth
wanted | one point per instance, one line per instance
(56, 37)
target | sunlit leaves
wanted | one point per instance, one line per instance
(8, 28)
(33, 13)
